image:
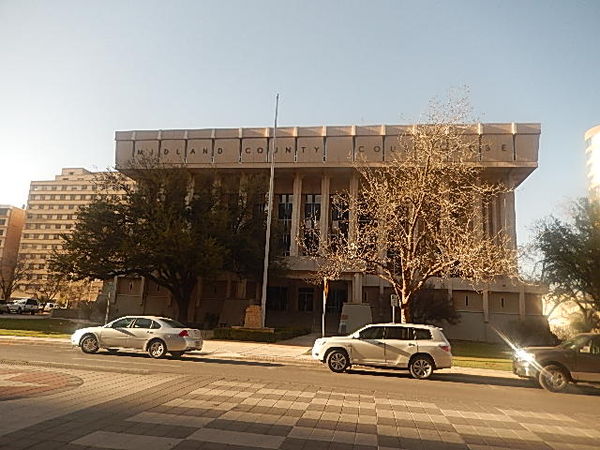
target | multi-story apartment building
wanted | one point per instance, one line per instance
(592, 151)
(52, 211)
(312, 164)
(11, 227)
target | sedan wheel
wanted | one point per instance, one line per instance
(337, 361)
(157, 349)
(89, 344)
(553, 378)
(421, 367)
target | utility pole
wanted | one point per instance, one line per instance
(265, 280)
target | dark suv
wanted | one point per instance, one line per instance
(575, 360)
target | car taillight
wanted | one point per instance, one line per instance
(446, 348)
(184, 333)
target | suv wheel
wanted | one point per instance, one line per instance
(338, 361)
(421, 367)
(553, 378)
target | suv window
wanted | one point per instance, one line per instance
(422, 334)
(122, 323)
(154, 324)
(32, 302)
(399, 333)
(371, 333)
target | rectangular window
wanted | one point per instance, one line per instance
(312, 216)
(284, 214)
(277, 298)
(306, 299)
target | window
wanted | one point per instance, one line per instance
(277, 298)
(466, 300)
(312, 215)
(142, 323)
(422, 334)
(371, 333)
(284, 214)
(123, 323)
(502, 302)
(399, 333)
(305, 299)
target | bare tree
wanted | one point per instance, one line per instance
(10, 279)
(421, 215)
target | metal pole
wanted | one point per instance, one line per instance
(325, 292)
(393, 314)
(263, 300)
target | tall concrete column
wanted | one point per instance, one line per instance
(324, 219)
(509, 213)
(522, 301)
(486, 306)
(296, 211)
(357, 288)
(353, 219)
(495, 219)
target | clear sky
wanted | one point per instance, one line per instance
(73, 72)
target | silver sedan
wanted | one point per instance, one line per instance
(155, 335)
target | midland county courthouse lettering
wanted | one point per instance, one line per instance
(312, 164)
(489, 142)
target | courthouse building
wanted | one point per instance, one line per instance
(311, 165)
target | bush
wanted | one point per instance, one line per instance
(257, 335)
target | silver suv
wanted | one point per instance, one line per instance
(420, 348)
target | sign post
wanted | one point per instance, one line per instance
(325, 292)
(394, 303)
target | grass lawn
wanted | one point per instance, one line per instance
(481, 355)
(57, 328)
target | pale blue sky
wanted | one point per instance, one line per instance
(73, 72)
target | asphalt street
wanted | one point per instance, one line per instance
(490, 390)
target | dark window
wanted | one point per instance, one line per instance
(466, 300)
(312, 215)
(399, 333)
(123, 323)
(305, 299)
(372, 333)
(154, 325)
(142, 323)
(335, 300)
(422, 334)
(277, 298)
(284, 214)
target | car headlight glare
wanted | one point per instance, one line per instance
(524, 356)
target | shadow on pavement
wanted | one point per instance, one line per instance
(192, 359)
(578, 389)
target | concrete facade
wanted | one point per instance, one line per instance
(52, 211)
(11, 228)
(592, 152)
(311, 165)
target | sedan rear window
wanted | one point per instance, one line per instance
(173, 323)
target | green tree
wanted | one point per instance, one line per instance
(169, 227)
(570, 256)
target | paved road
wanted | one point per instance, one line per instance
(130, 401)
